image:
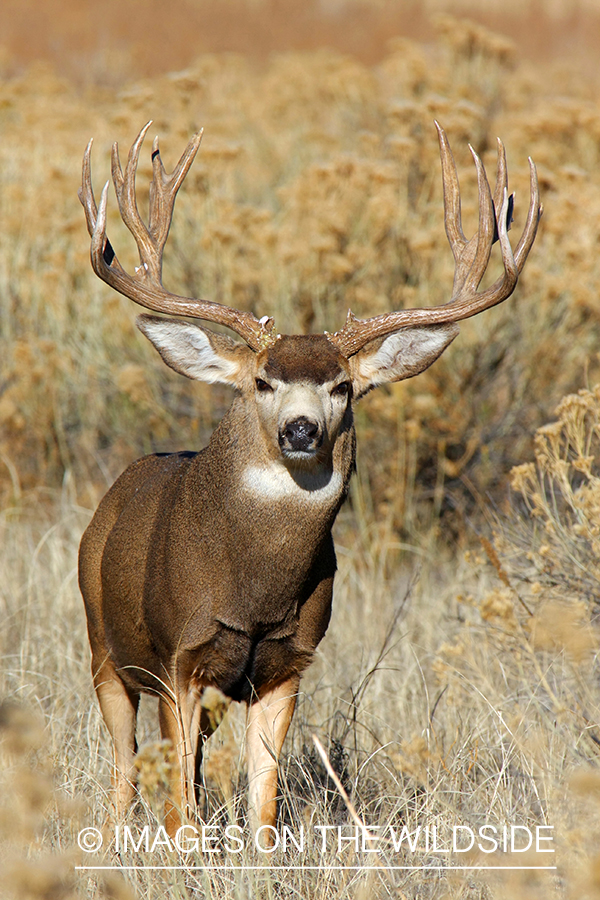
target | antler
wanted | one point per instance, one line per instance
(471, 256)
(145, 287)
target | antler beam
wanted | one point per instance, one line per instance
(145, 287)
(471, 256)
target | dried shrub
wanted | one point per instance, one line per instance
(316, 189)
(557, 545)
(522, 665)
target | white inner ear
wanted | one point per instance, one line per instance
(402, 355)
(188, 349)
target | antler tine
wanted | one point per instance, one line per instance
(86, 192)
(124, 182)
(146, 286)
(482, 240)
(503, 286)
(164, 188)
(471, 257)
(501, 178)
(452, 216)
(533, 217)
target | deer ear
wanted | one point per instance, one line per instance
(196, 352)
(400, 355)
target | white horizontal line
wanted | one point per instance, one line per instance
(320, 868)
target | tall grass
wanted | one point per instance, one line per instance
(460, 690)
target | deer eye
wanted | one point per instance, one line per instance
(262, 386)
(341, 390)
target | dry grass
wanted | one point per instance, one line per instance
(468, 695)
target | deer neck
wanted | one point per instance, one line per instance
(250, 470)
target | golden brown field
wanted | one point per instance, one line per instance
(459, 681)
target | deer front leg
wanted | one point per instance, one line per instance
(180, 723)
(119, 710)
(268, 721)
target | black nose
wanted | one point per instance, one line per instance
(299, 434)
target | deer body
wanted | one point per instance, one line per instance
(172, 550)
(215, 569)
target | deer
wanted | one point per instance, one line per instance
(215, 569)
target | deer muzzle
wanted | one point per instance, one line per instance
(300, 435)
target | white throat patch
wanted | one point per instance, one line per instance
(275, 482)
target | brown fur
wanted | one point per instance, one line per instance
(309, 357)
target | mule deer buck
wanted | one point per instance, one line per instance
(216, 568)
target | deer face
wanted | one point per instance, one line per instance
(303, 389)
(300, 389)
